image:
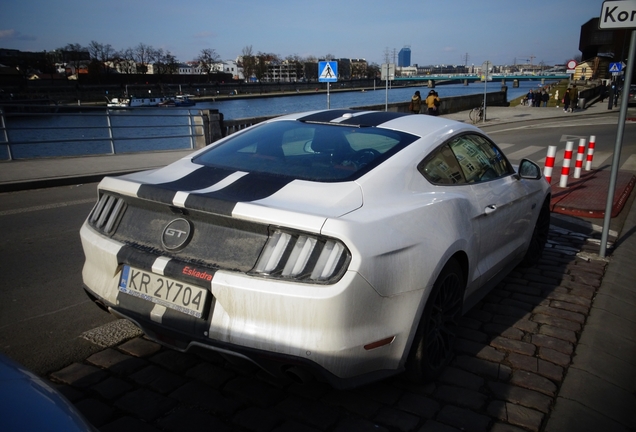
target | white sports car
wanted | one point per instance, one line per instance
(338, 244)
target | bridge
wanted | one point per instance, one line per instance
(477, 77)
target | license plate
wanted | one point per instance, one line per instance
(167, 292)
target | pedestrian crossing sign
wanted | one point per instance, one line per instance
(327, 71)
(616, 67)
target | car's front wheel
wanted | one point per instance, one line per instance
(432, 347)
(539, 236)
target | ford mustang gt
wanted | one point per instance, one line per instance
(339, 244)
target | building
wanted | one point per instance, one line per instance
(404, 57)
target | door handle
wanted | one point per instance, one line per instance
(489, 209)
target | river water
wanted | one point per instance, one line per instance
(152, 129)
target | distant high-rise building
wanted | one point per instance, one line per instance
(404, 57)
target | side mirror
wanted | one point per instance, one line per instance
(529, 170)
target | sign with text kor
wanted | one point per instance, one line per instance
(618, 14)
(327, 71)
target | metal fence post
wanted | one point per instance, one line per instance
(5, 134)
(110, 132)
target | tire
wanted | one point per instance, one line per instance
(434, 340)
(539, 236)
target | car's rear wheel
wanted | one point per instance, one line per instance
(539, 235)
(432, 347)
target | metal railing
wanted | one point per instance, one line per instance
(99, 131)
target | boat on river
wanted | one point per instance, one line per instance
(134, 102)
(178, 101)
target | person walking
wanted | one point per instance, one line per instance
(574, 97)
(416, 103)
(545, 97)
(566, 101)
(433, 103)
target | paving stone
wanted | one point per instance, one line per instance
(294, 426)
(583, 291)
(555, 357)
(257, 419)
(510, 311)
(569, 307)
(174, 361)
(167, 382)
(96, 412)
(478, 366)
(529, 299)
(463, 419)
(569, 298)
(140, 347)
(254, 392)
(479, 315)
(556, 322)
(557, 332)
(520, 361)
(147, 375)
(128, 424)
(382, 392)
(521, 396)
(358, 425)
(522, 324)
(523, 289)
(198, 394)
(421, 406)
(533, 381)
(359, 405)
(313, 413)
(433, 426)
(395, 419)
(188, 419)
(559, 345)
(461, 397)
(478, 349)
(470, 334)
(145, 404)
(560, 313)
(71, 393)
(550, 371)
(311, 390)
(518, 304)
(211, 374)
(116, 362)
(79, 375)
(111, 388)
(470, 323)
(510, 345)
(504, 427)
(516, 415)
(504, 331)
(461, 378)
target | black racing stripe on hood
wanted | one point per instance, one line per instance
(373, 118)
(325, 116)
(201, 178)
(251, 187)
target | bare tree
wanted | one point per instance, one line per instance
(165, 62)
(75, 55)
(103, 54)
(248, 62)
(141, 55)
(207, 58)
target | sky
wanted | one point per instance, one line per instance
(449, 32)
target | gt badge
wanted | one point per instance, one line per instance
(176, 234)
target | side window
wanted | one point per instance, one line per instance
(442, 168)
(479, 159)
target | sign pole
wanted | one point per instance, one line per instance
(619, 143)
(328, 100)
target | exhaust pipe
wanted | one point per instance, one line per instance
(297, 374)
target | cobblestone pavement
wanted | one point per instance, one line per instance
(513, 351)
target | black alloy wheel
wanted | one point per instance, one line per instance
(539, 235)
(433, 345)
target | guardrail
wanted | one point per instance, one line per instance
(31, 134)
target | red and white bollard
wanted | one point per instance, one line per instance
(579, 158)
(590, 153)
(567, 160)
(549, 163)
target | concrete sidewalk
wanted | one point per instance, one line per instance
(598, 392)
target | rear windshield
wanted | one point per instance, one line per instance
(307, 151)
